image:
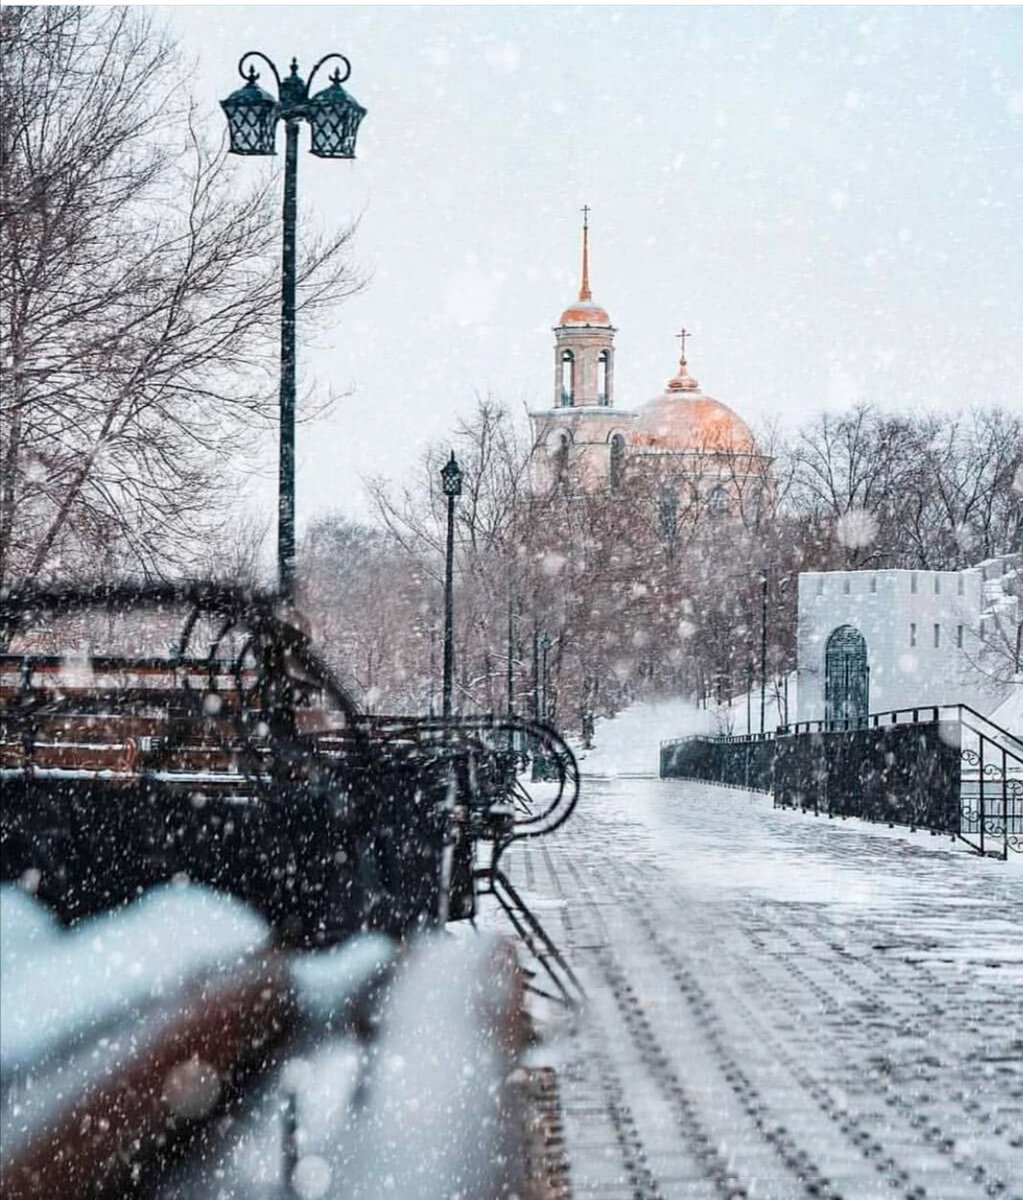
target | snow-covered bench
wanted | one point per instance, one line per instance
(124, 1035)
(120, 1032)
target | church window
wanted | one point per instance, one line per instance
(961, 586)
(846, 585)
(603, 364)
(718, 501)
(567, 378)
(912, 583)
(937, 585)
(937, 637)
(873, 583)
(617, 460)
(959, 636)
(559, 456)
(912, 633)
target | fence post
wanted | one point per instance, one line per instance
(980, 789)
(1005, 806)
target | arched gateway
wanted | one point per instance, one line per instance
(846, 676)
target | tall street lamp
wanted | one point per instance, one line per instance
(252, 116)
(451, 480)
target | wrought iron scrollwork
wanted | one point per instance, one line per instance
(992, 800)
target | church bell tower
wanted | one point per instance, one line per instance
(582, 427)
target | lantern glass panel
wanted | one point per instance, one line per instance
(451, 478)
(251, 120)
(334, 117)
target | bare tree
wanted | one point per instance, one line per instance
(139, 296)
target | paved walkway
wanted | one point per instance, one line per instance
(781, 1006)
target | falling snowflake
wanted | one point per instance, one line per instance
(856, 528)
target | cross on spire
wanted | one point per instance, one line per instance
(682, 338)
(584, 290)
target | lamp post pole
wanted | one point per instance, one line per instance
(511, 654)
(545, 646)
(252, 116)
(286, 466)
(763, 648)
(451, 478)
(510, 680)
(536, 674)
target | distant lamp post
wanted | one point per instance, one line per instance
(451, 480)
(545, 671)
(252, 116)
(543, 768)
(763, 649)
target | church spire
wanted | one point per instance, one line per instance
(584, 290)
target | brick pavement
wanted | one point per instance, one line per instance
(781, 1006)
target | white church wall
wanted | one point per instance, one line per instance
(922, 630)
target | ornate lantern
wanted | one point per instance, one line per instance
(251, 118)
(334, 117)
(451, 477)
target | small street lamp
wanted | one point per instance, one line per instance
(451, 480)
(252, 116)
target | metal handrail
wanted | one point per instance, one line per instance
(920, 714)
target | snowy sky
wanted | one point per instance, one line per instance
(829, 198)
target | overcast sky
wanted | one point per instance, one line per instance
(830, 199)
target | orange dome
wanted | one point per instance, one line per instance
(584, 312)
(684, 421)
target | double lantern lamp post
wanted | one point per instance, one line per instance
(333, 117)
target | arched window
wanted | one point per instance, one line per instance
(567, 378)
(557, 446)
(603, 368)
(718, 501)
(846, 677)
(617, 460)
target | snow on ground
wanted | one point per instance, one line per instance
(630, 742)
(779, 1006)
(1009, 714)
(736, 717)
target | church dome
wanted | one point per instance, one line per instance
(584, 312)
(682, 418)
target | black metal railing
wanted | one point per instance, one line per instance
(944, 767)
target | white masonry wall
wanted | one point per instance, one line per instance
(897, 612)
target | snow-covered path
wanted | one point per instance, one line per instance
(781, 1006)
